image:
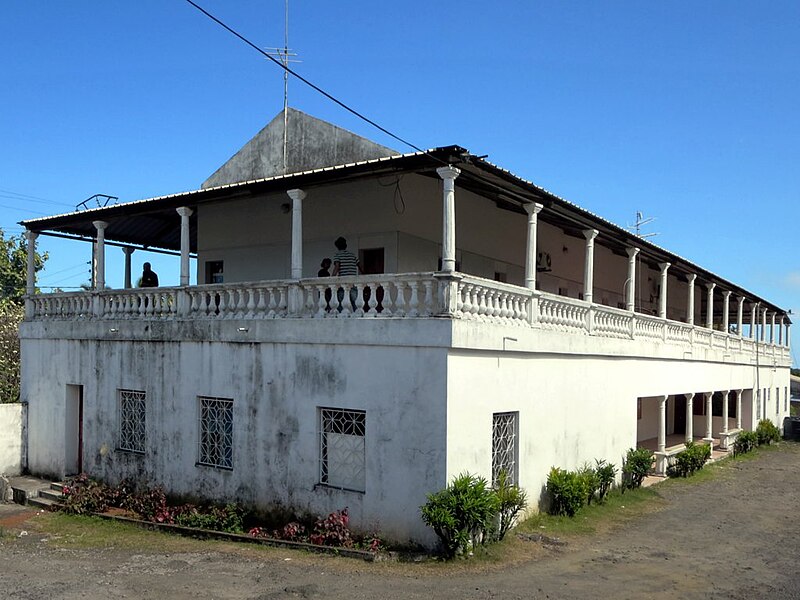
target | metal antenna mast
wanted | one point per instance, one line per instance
(636, 228)
(283, 55)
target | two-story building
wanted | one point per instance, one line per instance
(495, 326)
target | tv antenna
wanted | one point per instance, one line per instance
(286, 56)
(640, 222)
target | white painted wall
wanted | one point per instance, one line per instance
(11, 438)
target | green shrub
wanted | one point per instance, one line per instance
(589, 481)
(567, 492)
(767, 432)
(606, 473)
(690, 460)
(511, 501)
(226, 518)
(745, 442)
(635, 467)
(462, 514)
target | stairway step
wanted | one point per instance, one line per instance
(57, 485)
(43, 503)
(51, 495)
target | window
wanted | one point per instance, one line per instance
(504, 446)
(758, 404)
(215, 272)
(777, 401)
(131, 413)
(342, 448)
(216, 432)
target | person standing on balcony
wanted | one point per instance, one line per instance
(345, 264)
(149, 277)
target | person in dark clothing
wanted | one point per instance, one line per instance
(325, 271)
(149, 277)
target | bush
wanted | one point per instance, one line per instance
(589, 481)
(511, 501)
(635, 467)
(226, 518)
(767, 432)
(745, 442)
(333, 530)
(606, 473)
(82, 496)
(461, 515)
(690, 460)
(567, 492)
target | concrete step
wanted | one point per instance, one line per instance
(44, 503)
(57, 486)
(51, 495)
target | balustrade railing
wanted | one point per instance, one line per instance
(411, 295)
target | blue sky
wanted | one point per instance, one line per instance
(686, 111)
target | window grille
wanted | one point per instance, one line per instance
(504, 446)
(777, 401)
(342, 461)
(216, 432)
(131, 420)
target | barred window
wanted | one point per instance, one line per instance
(131, 414)
(342, 459)
(504, 446)
(777, 401)
(216, 432)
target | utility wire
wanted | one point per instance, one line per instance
(310, 84)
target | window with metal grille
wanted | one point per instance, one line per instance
(216, 432)
(777, 401)
(131, 413)
(504, 446)
(342, 448)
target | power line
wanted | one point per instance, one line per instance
(18, 195)
(308, 83)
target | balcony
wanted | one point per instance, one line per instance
(395, 296)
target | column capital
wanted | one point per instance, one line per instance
(590, 234)
(632, 251)
(296, 194)
(128, 250)
(448, 172)
(100, 225)
(664, 266)
(184, 211)
(31, 235)
(741, 299)
(691, 278)
(726, 294)
(710, 286)
(533, 208)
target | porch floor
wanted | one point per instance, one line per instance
(677, 439)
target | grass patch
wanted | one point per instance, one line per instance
(617, 509)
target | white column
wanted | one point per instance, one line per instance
(726, 307)
(753, 310)
(740, 315)
(725, 411)
(630, 302)
(738, 409)
(662, 423)
(662, 300)
(185, 212)
(297, 197)
(533, 209)
(788, 337)
(128, 251)
(588, 267)
(689, 417)
(448, 175)
(710, 306)
(30, 281)
(780, 332)
(708, 437)
(690, 300)
(100, 254)
(772, 328)
(763, 335)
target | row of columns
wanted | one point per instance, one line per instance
(448, 175)
(707, 396)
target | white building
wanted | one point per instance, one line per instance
(498, 325)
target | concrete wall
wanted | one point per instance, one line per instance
(12, 421)
(277, 389)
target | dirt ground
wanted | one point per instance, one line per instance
(735, 536)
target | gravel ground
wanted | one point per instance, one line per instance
(733, 537)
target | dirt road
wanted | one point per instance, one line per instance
(734, 537)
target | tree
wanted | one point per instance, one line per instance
(13, 269)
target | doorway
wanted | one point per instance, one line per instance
(680, 414)
(73, 430)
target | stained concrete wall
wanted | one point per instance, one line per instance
(12, 423)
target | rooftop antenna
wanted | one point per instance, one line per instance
(284, 55)
(641, 220)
